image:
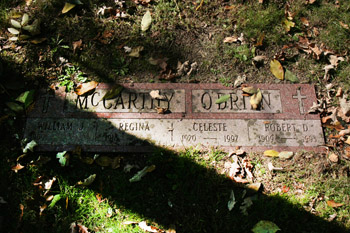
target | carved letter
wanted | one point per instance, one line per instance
(92, 99)
(81, 103)
(204, 105)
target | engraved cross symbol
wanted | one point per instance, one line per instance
(46, 103)
(300, 99)
(171, 129)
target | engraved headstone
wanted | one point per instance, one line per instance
(130, 122)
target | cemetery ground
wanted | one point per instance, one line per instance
(52, 43)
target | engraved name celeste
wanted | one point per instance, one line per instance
(143, 101)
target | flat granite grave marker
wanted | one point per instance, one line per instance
(130, 122)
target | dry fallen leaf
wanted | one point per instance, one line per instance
(161, 110)
(305, 21)
(155, 94)
(231, 39)
(333, 158)
(271, 153)
(256, 99)
(143, 225)
(85, 87)
(344, 25)
(250, 90)
(17, 167)
(77, 45)
(334, 204)
(146, 21)
(254, 186)
(277, 69)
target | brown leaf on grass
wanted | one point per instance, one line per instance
(17, 167)
(78, 228)
(339, 92)
(85, 87)
(77, 45)
(304, 21)
(143, 225)
(344, 25)
(142, 2)
(310, 1)
(277, 69)
(347, 141)
(231, 39)
(261, 1)
(260, 39)
(334, 204)
(333, 158)
(106, 37)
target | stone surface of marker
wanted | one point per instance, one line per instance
(129, 121)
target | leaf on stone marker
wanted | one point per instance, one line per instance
(13, 31)
(143, 225)
(271, 153)
(103, 161)
(30, 146)
(222, 99)
(288, 24)
(135, 52)
(285, 154)
(334, 204)
(17, 167)
(85, 87)
(38, 40)
(146, 21)
(277, 69)
(254, 186)
(155, 94)
(161, 110)
(16, 24)
(142, 173)
(264, 226)
(63, 158)
(25, 19)
(256, 99)
(15, 107)
(87, 181)
(55, 199)
(250, 90)
(26, 98)
(67, 7)
(232, 202)
(291, 77)
(114, 92)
